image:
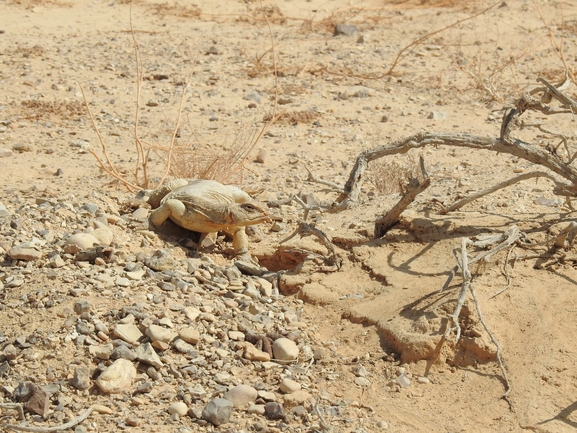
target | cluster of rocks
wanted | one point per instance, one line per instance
(180, 339)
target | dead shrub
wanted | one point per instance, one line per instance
(392, 175)
(294, 117)
(65, 110)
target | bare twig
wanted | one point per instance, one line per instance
(305, 229)
(459, 204)
(65, 426)
(506, 239)
(15, 406)
(463, 260)
(495, 342)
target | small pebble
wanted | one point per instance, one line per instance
(179, 407)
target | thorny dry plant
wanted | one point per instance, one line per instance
(40, 109)
(177, 10)
(390, 176)
(177, 159)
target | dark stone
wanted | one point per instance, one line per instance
(345, 29)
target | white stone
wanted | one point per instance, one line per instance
(284, 349)
(128, 332)
(289, 386)
(158, 333)
(79, 242)
(241, 396)
(118, 377)
(179, 407)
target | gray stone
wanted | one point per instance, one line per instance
(345, 29)
(218, 411)
(437, 115)
(81, 379)
(90, 207)
(123, 352)
(82, 306)
(253, 96)
(182, 346)
(274, 410)
(147, 354)
(161, 260)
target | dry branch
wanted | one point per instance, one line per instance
(459, 204)
(510, 236)
(65, 426)
(505, 143)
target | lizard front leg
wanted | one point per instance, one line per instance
(169, 208)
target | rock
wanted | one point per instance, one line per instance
(241, 396)
(253, 96)
(28, 254)
(257, 409)
(82, 306)
(190, 335)
(285, 350)
(161, 260)
(118, 377)
(218, 411)
(362, 381)
(297, 398)
(147, 354)
(4, 152)
(289, 386)
(38, 402)
(128, 332)
(179, 407)
(437, 115)
(403, 380)
(23, 147)
(253, 354)
(81, 379)
(261, 156)
(102, 352)
(267, 395)
(102, 233)
(123, 352)
(345, 29)
(3, 211)
(182, 346)
(79, 242)
(24, 391)
(140, 213)
(159, 333)
(91, 208)
(56, 261)
(274, 410)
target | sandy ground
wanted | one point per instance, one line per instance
(335, 103)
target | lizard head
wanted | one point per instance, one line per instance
(249, 213)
